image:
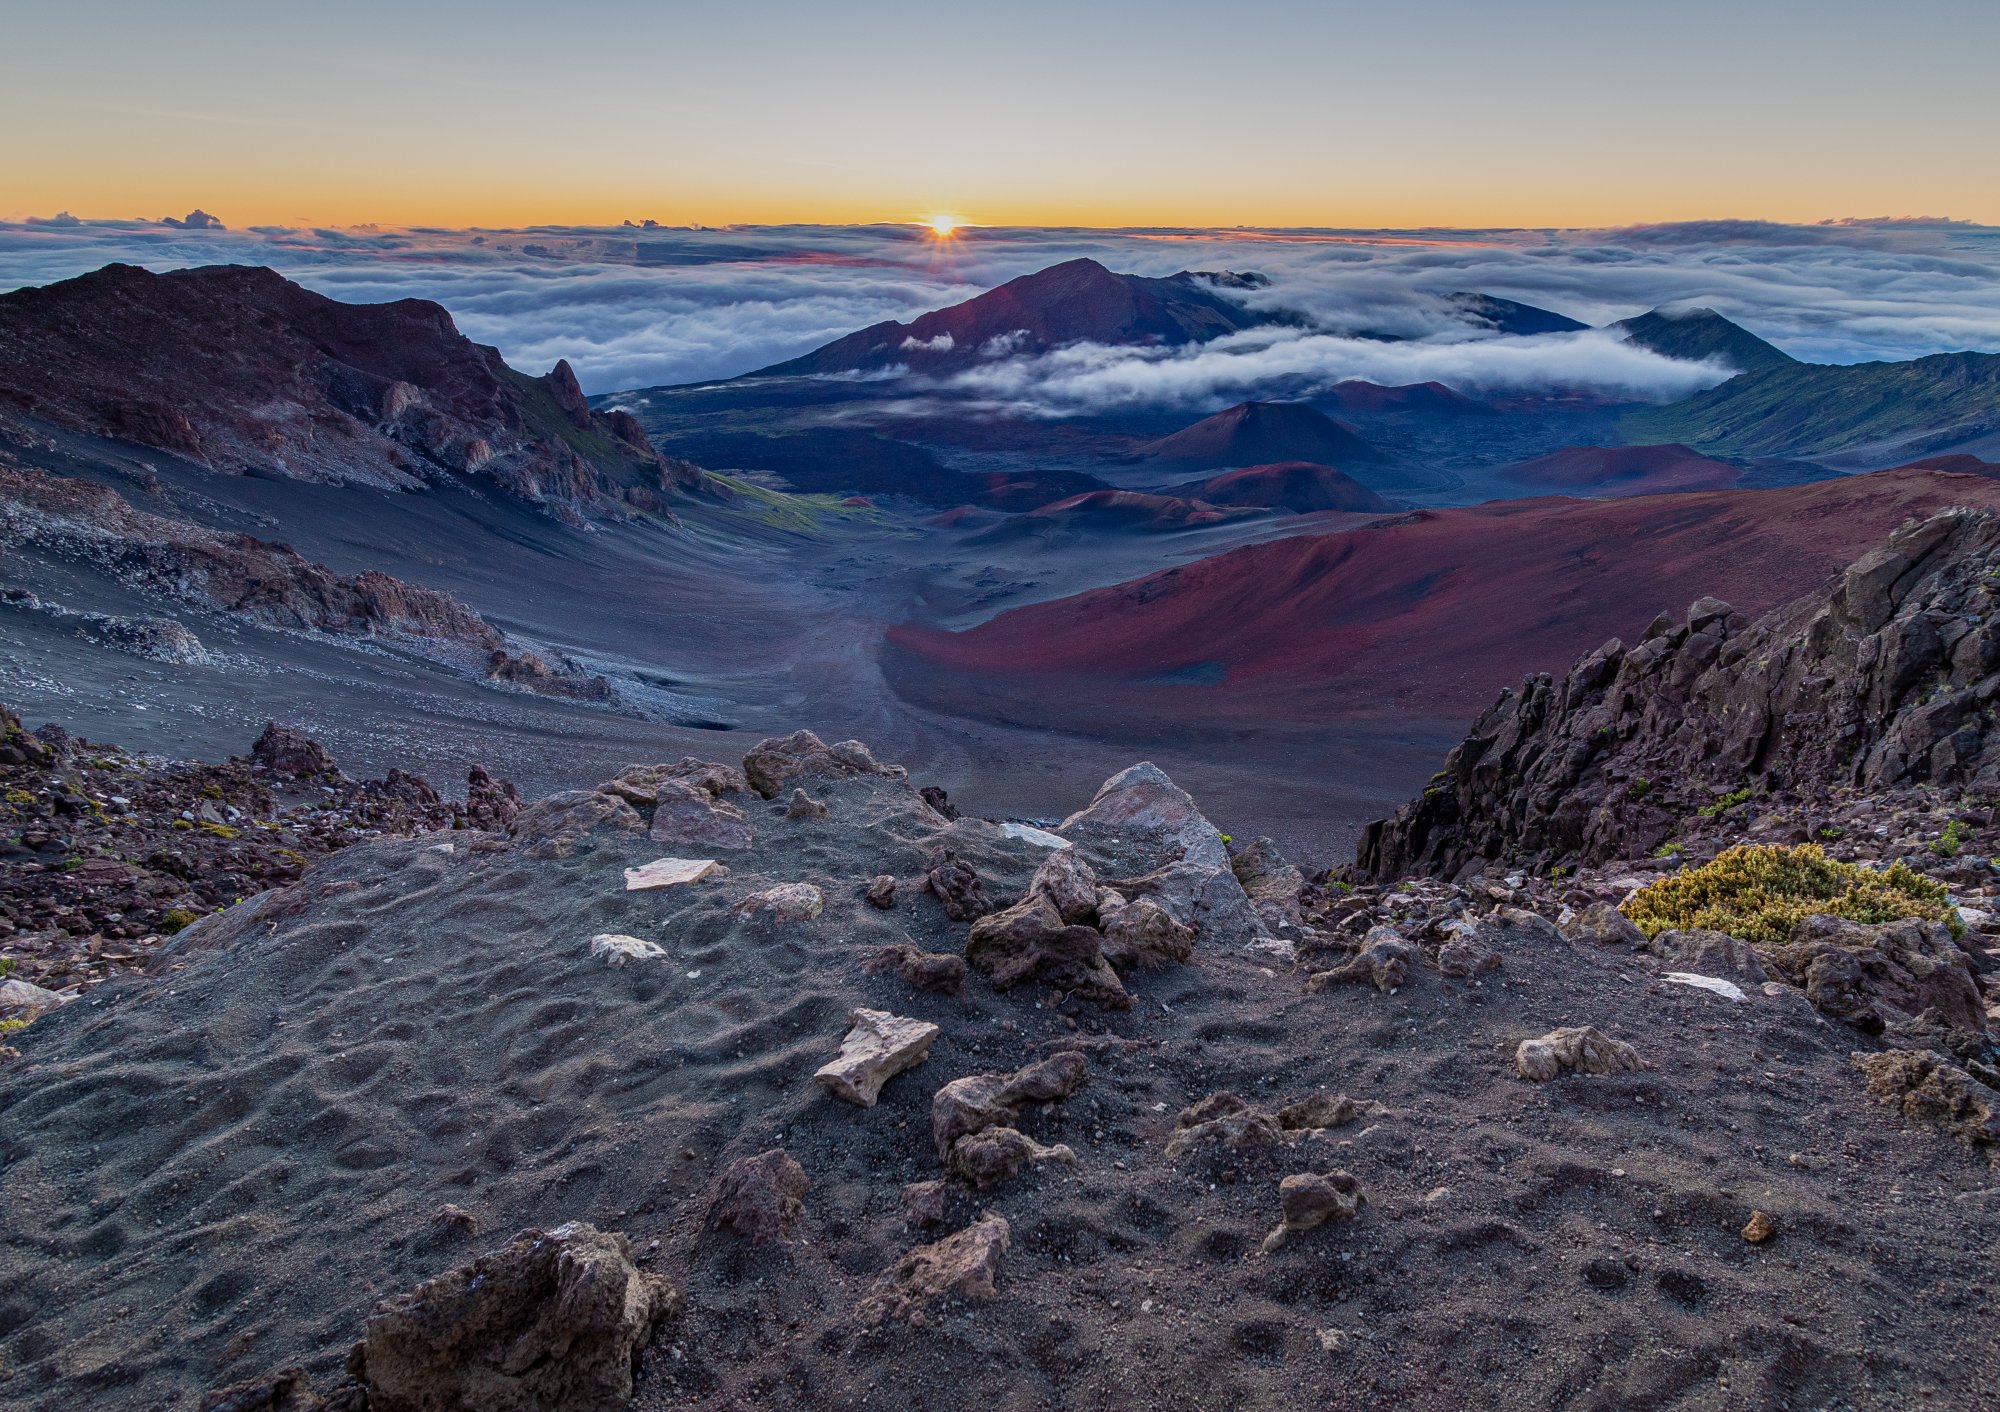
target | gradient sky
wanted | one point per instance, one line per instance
(1262, 112)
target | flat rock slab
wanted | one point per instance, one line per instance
(670, 872)
(877, 1048)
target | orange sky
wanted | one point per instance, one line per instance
(1540, 113)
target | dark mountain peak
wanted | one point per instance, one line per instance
(1077, 301)
(1367, 398)
(1510, 315)
(1694, 334)
(237, 368)
(1258, 434)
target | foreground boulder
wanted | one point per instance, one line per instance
(1873, 976)
(972, 1118)
(1928, 1086)
(774, 763)
(1582, 1049)
(965, 1264)
(877, 1048)
(1309, 1199)
(551, 1322)
(287, 1390)
(759, 1198)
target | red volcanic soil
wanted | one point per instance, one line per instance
(1625, 470)
(1261, 434)
(1426, 615)
(1301, 486)
(1115, 511)
(1433, 398)
(1076, 301)
(1960, 464)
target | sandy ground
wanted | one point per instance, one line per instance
(216, 1172)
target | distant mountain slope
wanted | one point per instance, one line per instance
(1076, 301)
(1895, 410)
(1259, 434)
(1417, 398)
(1111, 512)
(237, 368)
(1427, 614)
(1299, 486)
(1624, 470)
(1511, 316)
(843, 461)
(1697, 334)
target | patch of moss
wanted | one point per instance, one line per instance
(1761, 891)
(10, 1026)
(20, 796)
(175, 919)
(1726, 802)
(219, 830)
(1638, 789)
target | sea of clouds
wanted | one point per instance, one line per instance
(635, 307)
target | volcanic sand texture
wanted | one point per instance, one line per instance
(217, 1172)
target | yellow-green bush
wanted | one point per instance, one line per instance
(1760, 892)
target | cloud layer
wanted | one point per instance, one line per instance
(633, 307)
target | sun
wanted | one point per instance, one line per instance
(943, 227)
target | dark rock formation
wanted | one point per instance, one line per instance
(241, 370)
(1886, 678)
(759, 1198)
(772, 764)
(551, 1319)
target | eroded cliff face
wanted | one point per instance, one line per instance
(1884, 679)
(240, 370)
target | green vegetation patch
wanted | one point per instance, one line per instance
(1761, 891)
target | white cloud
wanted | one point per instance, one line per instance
(942, 343)
(635, 307)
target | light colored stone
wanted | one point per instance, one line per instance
(787, 902)
(1585, 1049)
(1728, 990)
(23, 1000)
(615, 949)
(671, 872)
(877, 1048)
(1028, 833)
(964, 1264)
(1308, 1199)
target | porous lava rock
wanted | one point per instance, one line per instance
(1582, 1049)
(964, 1264)
(1309, 1199)
(551, 1320)
(774, 763)
(759, 1198)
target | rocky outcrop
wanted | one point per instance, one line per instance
(772, 764)
(551, 1319)
(1928, 1086)
(1886, 678)
(972, 1119)
(271, 584)
(240, 370)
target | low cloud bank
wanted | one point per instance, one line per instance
(636, 307)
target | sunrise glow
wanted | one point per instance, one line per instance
(943, 227)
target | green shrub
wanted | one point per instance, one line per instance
(1725, 803)
(6, 967)
(219, 830)
(1761, 891)
(1832, 831)
(177, 918)
(1638, 789)
(1951, 840)
(19, 796)
(1668, 849)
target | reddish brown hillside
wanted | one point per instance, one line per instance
(1426, 614)
(1625, 470)
(237, 368)
(1301, 486)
